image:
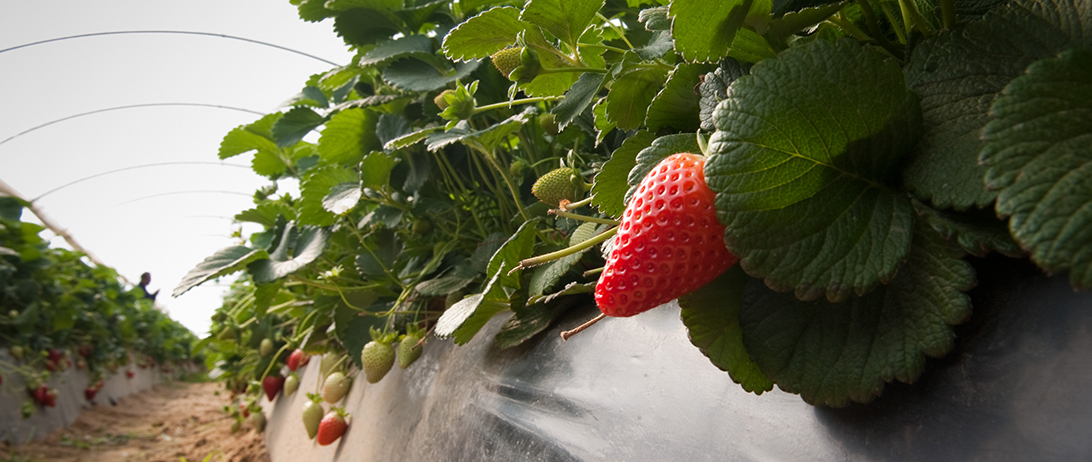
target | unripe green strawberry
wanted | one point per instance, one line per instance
(669, 242)
(409, 349)
(549, 124)
(336, 387)
(440, 101)
(507, 59)
(257, 420)
(559, 184)
(236, 426)
(312, 414)
(16, 352)
(291, 384)
(377, 358)
(266, 347)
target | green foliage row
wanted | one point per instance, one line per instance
(53, 299)
(860, 152)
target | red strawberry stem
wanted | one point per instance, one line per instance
(562, 213)
(569, 333)
(546, 258)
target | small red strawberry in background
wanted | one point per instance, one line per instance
(245, 410)
(130, 374)
(272, 385)
(85, 350)
(44, 396)
(669, 242)
(312, 414)
(332, 426)
(89, 393)
(296, 359)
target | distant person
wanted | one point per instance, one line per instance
(145, 279)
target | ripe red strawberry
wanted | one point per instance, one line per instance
(669, 243)
(90, 392)
(272, 385)
(129, 374)
(312, 414)
(297, 359)
(333, 425)
(245, 409)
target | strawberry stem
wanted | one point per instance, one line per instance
(569, 333)
(562, 213)
(575, 205)
(509, 104)
(594, 271)
(546, 258)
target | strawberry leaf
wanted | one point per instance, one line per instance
(254, 136)
(577, 98)
(481, 36)
(342, 198)
(711, 316)
(360, 27)
(633, 89)
(1038, 155)
(295, 124)
(978, 232)
(610, 187)
(800, 159)
(696, 40)
(676, 105)
(466, 317)
(417, 75)
(315, 187)
(385, 52)
(375, 169)
(306, 244)
(348, 136)
(565, 19)
(221, 263)
(714, 89)
(832, 354)
(958, 74)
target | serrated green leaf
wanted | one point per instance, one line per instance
(295, 124)
(749, 47)
(264, 295)
(449, 283)
(266, 213)
(610, 186)
(958, 74)
(658, 45)
(403, 46)
(714, 89)
(254, 136)
(383, 249)
(547, 84)
(360, 27)
(314, 188)
(306, 244)
(711, 317)
(578, 98)
(482, 35)
(375, 169)
(649, 157)
(781, 7)
(342, 198)
(352, 329)
(633, 89)
(467, 317)
(391, 127)
(603, 125)
(796, 21)
(348, 136)
(222, 263)
(410, 139)
(310, 96)
(1038, 152)
(524, 326)
(382, 5)
(704, 31)
(314, 10)
(416, 75)
(486, 139)
(676, 105)
(803, 148)
(978, 232)
(565, 19)
(518, 247)
(268, 163)
(832, 354)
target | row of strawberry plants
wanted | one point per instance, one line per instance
(851, 155)
(60, 312)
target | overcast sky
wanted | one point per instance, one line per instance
(111, 215)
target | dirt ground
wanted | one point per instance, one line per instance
(168, 423)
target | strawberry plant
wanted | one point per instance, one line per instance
(60, 311)
(856, 156)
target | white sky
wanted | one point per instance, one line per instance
(170, 234)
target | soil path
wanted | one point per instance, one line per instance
(169, 422)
